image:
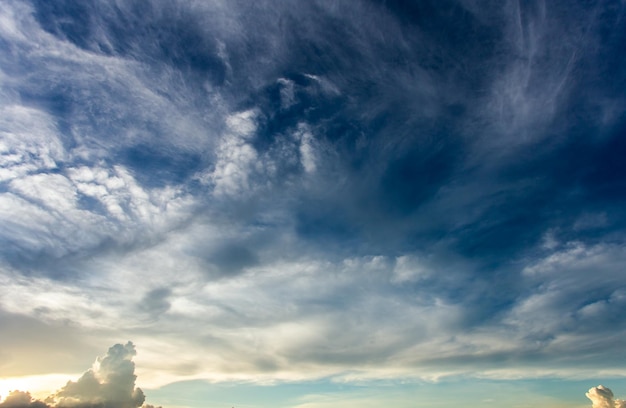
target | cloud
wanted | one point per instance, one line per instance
(155, 302)
(539, 67)
(21, 399)
(368, 179)
(408, 269)
(572, 302)
(109, 384)
(82, 208)
(307, 148)
(236, 156)
(29, 141)
(602, 397)
(232, 259)
(287, 95)
(68, 149)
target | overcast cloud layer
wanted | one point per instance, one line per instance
(303, 189)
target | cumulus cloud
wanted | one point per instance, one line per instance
(110, 383)
(21, 399)
(602, 397)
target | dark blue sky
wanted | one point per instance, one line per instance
(306, 189)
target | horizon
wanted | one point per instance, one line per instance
(306, 204)
(115, 372)
(111, 382)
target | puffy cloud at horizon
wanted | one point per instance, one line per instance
(110, 383)
(354, 189)
(602, 397)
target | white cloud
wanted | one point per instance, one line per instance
(409, 269)
(289, 316)
(28, 142)
(537, 72)
(237, 159)
(327, 86)
(289, 319)
(276, 321)
(54, 301)
(13, 17)
(573, 298)
(576, 259)
(51, 191)
(109, 383)
(81, 206)
(602, 397)
(307, 148)
(126, 98)
(287, 93)
(35, 228)
(549, 240)
(45, 211)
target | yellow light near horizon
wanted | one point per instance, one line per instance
(39, 386)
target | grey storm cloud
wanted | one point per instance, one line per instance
(110, 383)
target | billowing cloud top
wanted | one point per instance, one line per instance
(353, 189)
(602, 397)
(109, 384)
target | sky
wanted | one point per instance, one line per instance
(312, 204)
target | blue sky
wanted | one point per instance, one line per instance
(315, 203)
